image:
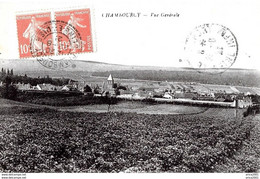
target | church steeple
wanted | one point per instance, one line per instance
(110, 80)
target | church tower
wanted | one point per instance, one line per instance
(110, 81)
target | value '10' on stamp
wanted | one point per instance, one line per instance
(54, 33)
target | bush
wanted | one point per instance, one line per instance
(252, 110)
(8, 91)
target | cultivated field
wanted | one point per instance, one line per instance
(39, 139)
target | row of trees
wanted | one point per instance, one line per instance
(7, 71)
(33, 81)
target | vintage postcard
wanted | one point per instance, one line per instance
(168, 87)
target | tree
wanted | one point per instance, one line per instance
(7, 80)
(97, 90)
(117, 92)
(114, 85)
(87, 89)
(12, 92)
(121, 87)
(8, 90)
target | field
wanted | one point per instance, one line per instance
(137, 107)
(40, 139)
(231, 77)
(53, 99)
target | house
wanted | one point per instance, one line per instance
(143, 94)
(242, 102)
(167, 95)
(127, 91)
(80, 86)
(147, 91)
(138, 95)
(223, 97)
(46, 87)
(69, 88)
(73, 83)
(22, 86)
(96, 89)
(134, 88)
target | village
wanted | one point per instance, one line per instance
(159, 91)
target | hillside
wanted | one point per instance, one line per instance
(83, 70)
(234, 77)
(23, 65)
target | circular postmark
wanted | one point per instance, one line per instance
(57, 64)
(211, 46)
(55, 38)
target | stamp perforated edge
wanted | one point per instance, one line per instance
(93, 32)
(52, 10)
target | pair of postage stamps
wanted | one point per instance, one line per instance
(54, 33)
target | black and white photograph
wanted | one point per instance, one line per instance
(160, 88)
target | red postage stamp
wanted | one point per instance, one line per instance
(29, 37)
(54, 33)
(76, 32)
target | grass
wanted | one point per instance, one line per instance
(137, 107)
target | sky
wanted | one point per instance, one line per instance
(152, 41)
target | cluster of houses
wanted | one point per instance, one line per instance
(188, 91)
(71, 86)
(148, 89)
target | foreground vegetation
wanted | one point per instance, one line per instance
(46, 140)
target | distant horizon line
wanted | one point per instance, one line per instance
(117, 64)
